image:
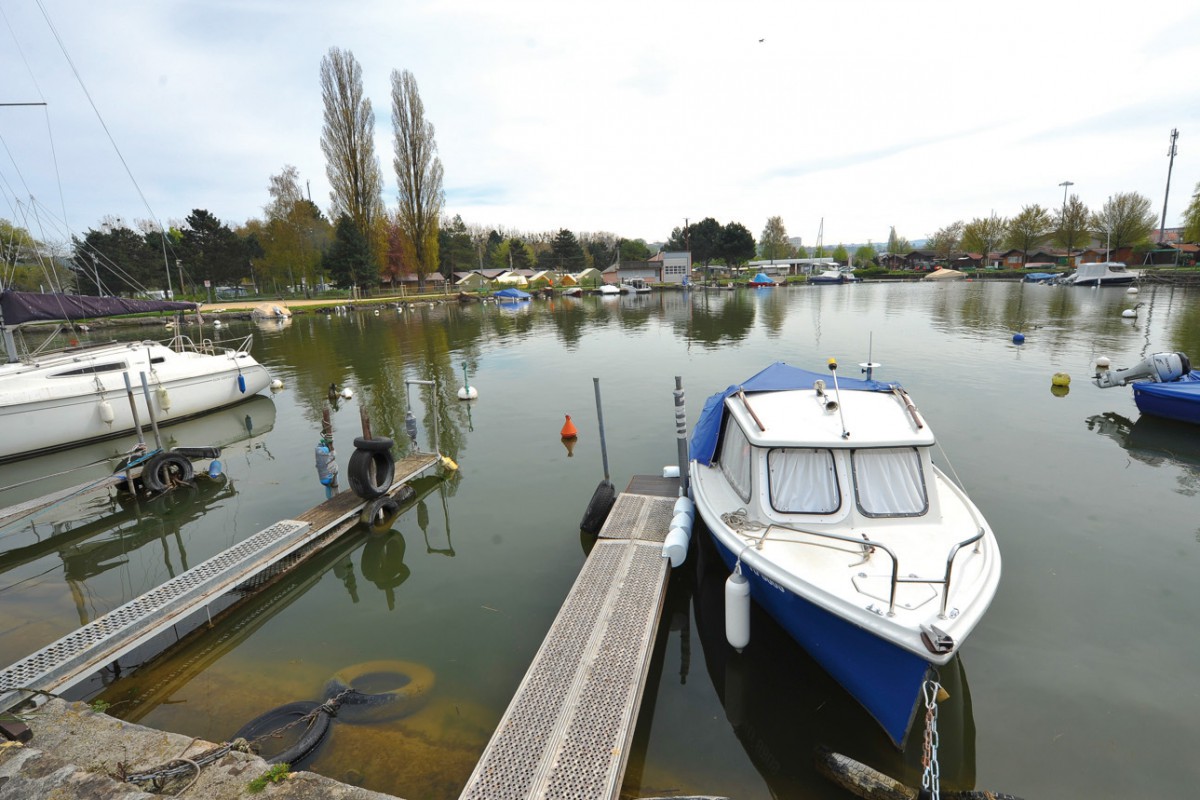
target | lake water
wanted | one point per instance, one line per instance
(1080, 681)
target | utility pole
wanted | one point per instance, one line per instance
(1171, 150)
(1063, 220)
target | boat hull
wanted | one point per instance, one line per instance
(1177, 400)
(43, 408)
(886, 680)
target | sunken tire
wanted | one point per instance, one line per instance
(284, 719)
(378, 691)
(370, 473)
(165, 470)
(377, 444)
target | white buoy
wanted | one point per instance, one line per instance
(675, 546)
(685, 505)
(1131, 290)
(216, 323)
(106, 412)
(347, 394)
(1131, 313)
(467, 391)
(737, 610)
(670, 471)
(164, 399)
(1102, 362)
(276, 385)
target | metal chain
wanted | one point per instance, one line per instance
(931, 778)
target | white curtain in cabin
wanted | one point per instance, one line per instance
(735, 459)
(803, 481)
(888, 482)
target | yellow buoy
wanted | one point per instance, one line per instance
(449, 464)
(1060, 379)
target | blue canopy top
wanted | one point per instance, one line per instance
(762, 278)
(777, 377)
(512, 294)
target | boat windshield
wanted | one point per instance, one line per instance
(735, 459)
(803, 481)
(888, 482)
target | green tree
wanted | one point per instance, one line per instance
(348, 260)
(864, 256)
(1029, 230)
(456, 251)
(211, 251)
(1191, 218)
(841, 255)
(984, 234)
(1125, 221)
(701, 238)
(774, 241)
(634, 250)
(418, 172)
(1074, 225)
(513, 253)
(898, 245)
(293, 236)
(347, 140)
(565, 252)
(946, 241)
(736, 244)
(27, 264)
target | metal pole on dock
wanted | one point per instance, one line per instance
(137, 423)
(600, 418)
(681, 436)
(150, 411)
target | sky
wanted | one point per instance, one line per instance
(843, 118)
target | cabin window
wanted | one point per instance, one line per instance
(803, 481)
(889, 482)
(90, 370)
(735, 459)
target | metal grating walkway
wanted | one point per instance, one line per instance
(567, 732)
(80, 653)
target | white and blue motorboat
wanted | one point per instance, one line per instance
(822, 494)
(1164, 385)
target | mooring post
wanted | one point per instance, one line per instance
(326, 427)
(137, 423)
(681, 436)
(150, 411)
(365, 419)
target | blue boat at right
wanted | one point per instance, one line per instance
(1164, 385)
(823, 500)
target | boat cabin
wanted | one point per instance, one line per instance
(808, 456)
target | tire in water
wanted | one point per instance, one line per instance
(378, 444)
(377, 691)
(370, 473)
(304, 738)
(164, 470)
(379, 514)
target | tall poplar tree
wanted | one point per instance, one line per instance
(418, 174)
(774, 241)
(348, 143)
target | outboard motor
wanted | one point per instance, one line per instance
(1158, 368)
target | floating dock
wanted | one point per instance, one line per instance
(79, 654)
(567, 732)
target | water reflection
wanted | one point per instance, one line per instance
(1155, 442)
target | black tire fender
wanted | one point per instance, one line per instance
(377, 444)
(379, 514)
(370, 473)
(377, 691)
(163, 470)
(309, 738)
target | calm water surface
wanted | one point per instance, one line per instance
(1080, 682)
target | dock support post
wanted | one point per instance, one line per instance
(681, 437)
(150, 412)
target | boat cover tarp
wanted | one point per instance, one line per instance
(17, 308)
(1179, 399)
(777, 377)
(512, 294)
(762, 278)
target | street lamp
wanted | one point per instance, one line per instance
(1063, 221)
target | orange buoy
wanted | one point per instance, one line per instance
(568, 429)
